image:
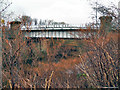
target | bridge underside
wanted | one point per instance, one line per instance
(59, 34)
(42, 38)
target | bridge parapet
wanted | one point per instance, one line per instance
(69, 32)
(34, 28)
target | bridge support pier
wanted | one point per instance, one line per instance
(44, 44)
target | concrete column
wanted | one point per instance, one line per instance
(105, 23)
(44, 44)
(14, 29)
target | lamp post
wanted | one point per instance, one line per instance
(96, 15)
(119, 14)
(0, 53)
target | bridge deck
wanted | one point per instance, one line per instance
(60, 33)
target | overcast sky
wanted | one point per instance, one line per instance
(69, 11)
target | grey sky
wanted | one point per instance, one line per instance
(69, 11)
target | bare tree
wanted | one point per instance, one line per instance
(3, 6)
(27, 20)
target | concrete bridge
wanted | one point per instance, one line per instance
(43, 34)
(58, 32)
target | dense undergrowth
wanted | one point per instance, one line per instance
(83, 63)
